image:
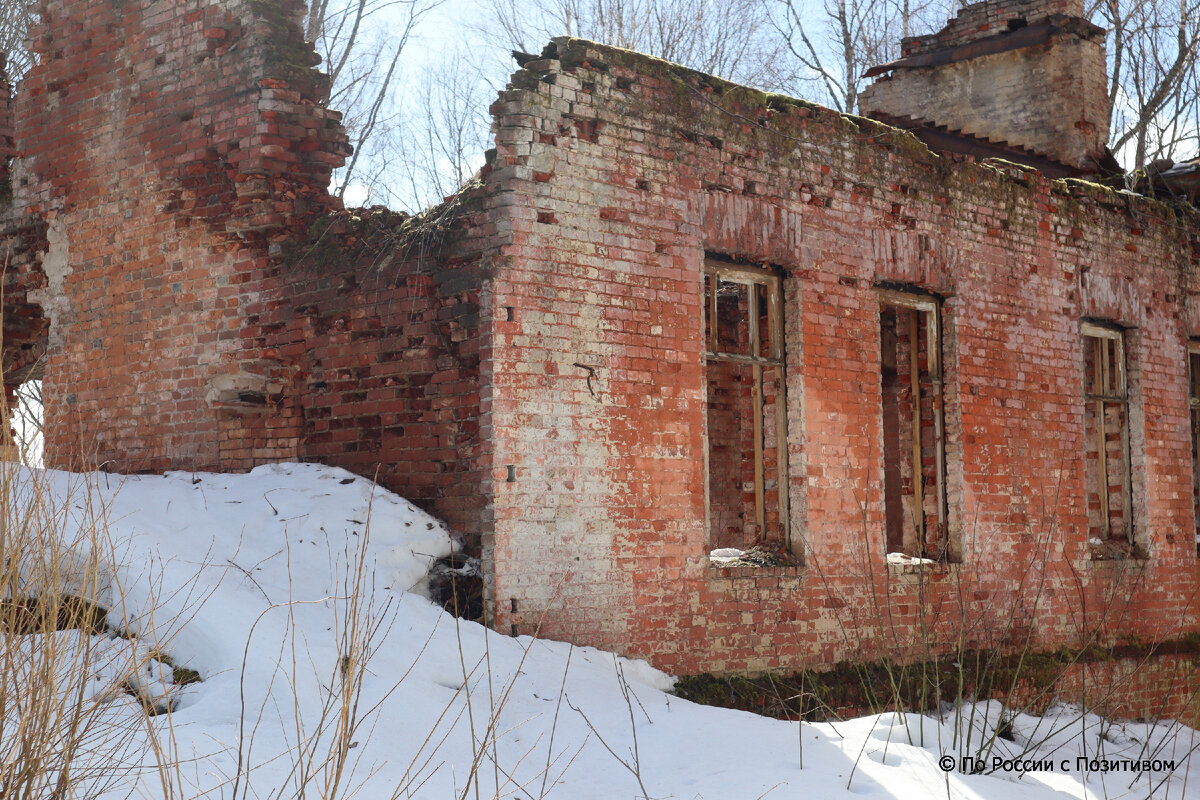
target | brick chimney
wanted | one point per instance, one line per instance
(1026, 76)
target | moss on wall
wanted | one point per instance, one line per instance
(1027, 680)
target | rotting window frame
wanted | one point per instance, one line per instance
(716, 270)
(1193, 381)
(1103, 331)
(931, 307)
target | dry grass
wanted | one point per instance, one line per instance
(75, 645)
(68, 729)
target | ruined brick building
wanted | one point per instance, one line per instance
(672, 315)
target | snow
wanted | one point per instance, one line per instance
(905, 560)
(726, 555)
(254, 581)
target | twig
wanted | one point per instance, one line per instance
(250, 577)
(634, 768)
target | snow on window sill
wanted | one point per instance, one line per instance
(905, 560)
(904, 564)
(730, 561)
(1110, 550)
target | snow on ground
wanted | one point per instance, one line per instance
(246, 579)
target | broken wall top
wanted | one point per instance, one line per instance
(166, 151)
(218, 99)
(695, 108)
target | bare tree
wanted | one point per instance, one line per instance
(1153, 50)
(850, 36)
(361, 43)
(15, 18)
(446, 127)
(732, 39)
(835, 42)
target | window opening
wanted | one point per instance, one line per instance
(747, 415)
(914, 452)
(25, 418)
(1106, 437)
(1194, 404)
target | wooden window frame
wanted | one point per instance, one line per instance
(1106, 335)
(931, 307)
(1193, 379)
(753, 277)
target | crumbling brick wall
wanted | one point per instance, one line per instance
(197, 317)
(383, 317)
(165, 151)
(633, 170)
(528, 360)
(982, 20)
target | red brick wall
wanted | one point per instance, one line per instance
(165, 148)
(1163, 686)
(382, 327)
(632, 170)
(197, 320)
(24, 331)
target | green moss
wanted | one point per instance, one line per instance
(736, 99)
(750, 113)
(320, 248)
(1179, 216)
(783, 102)
(853, 688)
(339, 240)
(180, 676)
